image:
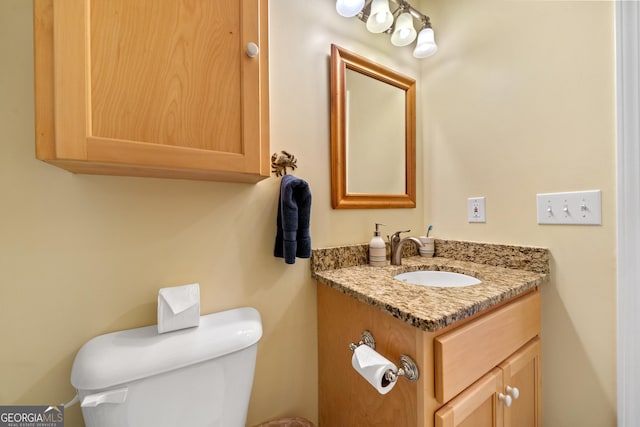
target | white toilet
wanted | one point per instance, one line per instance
(197, 377)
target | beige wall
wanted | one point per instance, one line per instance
(519, 101)
(84, 255)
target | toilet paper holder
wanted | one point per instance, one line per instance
(365, 338)
(407, 367)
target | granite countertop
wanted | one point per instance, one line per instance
(505, 273)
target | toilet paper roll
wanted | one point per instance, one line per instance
(372, 366)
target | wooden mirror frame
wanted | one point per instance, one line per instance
(341, 60)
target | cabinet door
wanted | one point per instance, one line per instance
(149, 86)
(521, 371)
(477, 406)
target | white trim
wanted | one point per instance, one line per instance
(628, 207)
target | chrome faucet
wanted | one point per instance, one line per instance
(396, 246)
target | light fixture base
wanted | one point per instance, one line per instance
(392, 24)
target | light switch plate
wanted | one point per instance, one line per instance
(476, 209)
(572, 208)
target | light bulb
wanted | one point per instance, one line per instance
(404, 33)
(426, 45)
(380, 17)
(349, 8)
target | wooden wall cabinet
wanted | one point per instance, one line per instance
(153, 88)
(464, 369)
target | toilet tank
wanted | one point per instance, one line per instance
(193, 377)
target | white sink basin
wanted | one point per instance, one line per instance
(438, 279)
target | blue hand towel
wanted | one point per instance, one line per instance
(294, 214)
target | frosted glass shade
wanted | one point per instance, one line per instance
(404, 32)
(349, 8)
(426, 44)
(380, 18)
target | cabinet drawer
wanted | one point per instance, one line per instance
(467, 353)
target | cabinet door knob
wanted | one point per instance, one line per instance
(252, 50)
(513, 391)
(505, 398)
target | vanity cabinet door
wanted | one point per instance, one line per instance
(153, 88)
(483, 403)
(522, 372)
(477, 406)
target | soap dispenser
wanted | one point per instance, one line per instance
(377, 249)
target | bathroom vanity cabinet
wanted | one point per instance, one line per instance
(147, 88)
(465, 368)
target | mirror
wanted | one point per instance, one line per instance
(372, 134)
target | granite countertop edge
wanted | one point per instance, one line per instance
(429, 308)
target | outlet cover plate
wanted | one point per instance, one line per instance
(571, 208)
(476, 209)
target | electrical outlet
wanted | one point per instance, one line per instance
(476, 209)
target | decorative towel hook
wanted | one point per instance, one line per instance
(280, 163)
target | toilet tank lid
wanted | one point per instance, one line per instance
(125, 356)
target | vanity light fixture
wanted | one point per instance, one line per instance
(426, 45)
(399, 24)
(380, 18)
(403, 33)
(349, 8)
